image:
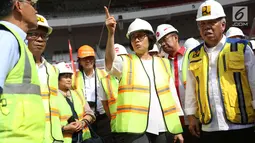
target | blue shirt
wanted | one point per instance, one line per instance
(9, 53)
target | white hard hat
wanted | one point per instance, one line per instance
(41, 21)
(252, 42)
(64, 68)
(154, 49)
(139, 25)
(120, 50)
(210, 10)
(234, 31)
(191, 43)
(163, 30)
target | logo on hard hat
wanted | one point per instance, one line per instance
(157, 34)
(40, 19)
(86, 52)
(117, 49)
(206, 10)
(67, 66)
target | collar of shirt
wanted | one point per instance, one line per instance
(91, 76)
(22, 34)
(67, 94)
(181, 51)
(218, 46)
(42, 64)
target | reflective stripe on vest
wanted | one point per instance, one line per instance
(134, 96)
(232, 79)
(66, 113)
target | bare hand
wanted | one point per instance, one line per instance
(79, 125)
(194, 126)
(110, 21)
(178, 137)
(71, 128)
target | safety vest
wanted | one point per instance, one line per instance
(66, 112)
(232, 79)
(49, 91)
(22, 117)
(79, 81)
(134, 96)
(110, 85)
(185, 67)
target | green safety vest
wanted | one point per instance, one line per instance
(22, 116)
(66, 112)
(78, 83)
(232, 79)
(110, 85)
(133, 100)
(49, 91)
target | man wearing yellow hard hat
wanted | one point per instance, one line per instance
(220, 82)
(22, 117)
(48, 76)
(88, 79)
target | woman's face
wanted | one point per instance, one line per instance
(140, 42)
(87, 63)
(65, 81)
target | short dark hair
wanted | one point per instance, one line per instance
(61, 75)
(151, 38)
(6, 8)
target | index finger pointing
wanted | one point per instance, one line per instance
(106, 12)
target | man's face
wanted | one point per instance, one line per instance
(28, 12)
(211, 31)
(169, 43)
(37, 40)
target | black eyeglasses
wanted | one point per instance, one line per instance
(36, 35)
(139, 36)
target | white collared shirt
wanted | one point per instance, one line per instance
(42, 73)
(89, 92)
(219, 122)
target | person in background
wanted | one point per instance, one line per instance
(235, 32)
(120, 49)
(220, 82)
(146, 108)
(252, 45)
(190, 44)
(48, 76)
(75, 112)
(154, 51)
(88, 79)
(168, 39)
(22, 117)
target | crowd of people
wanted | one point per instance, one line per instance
(163, 93)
